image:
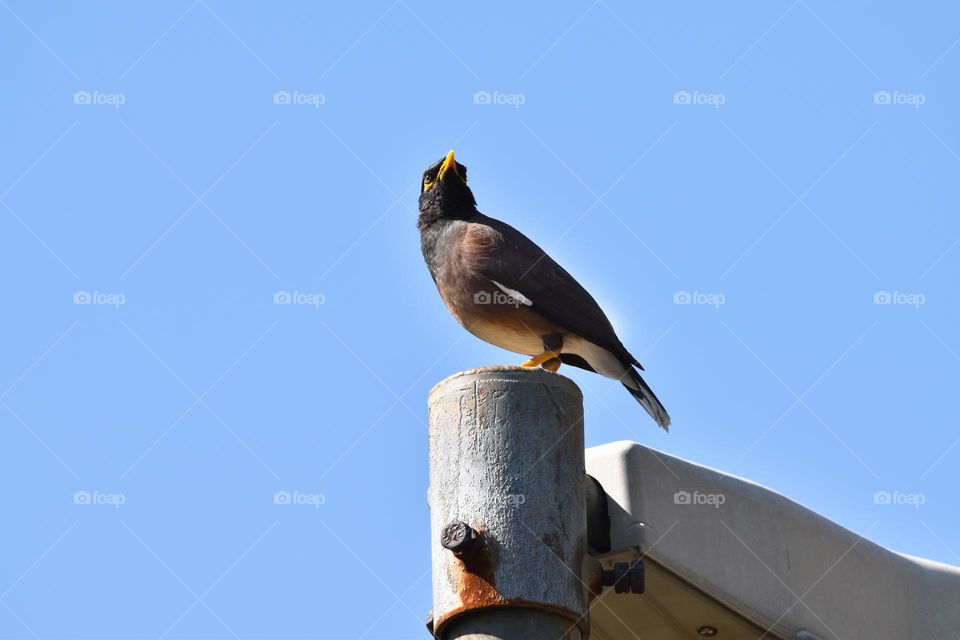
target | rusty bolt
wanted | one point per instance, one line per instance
(459, 537)
(625, 578)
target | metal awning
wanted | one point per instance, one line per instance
(733, 559)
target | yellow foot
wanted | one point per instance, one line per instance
(552, 364)
(540, 359)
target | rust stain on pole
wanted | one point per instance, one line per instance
(476, 583)
(507, 495)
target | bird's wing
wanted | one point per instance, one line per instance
(517, 265)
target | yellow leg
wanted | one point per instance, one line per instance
(552, 365)
(540, 359)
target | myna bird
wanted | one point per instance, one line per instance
(506, 290)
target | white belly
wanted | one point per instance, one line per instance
(506, 338)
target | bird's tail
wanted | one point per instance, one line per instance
(639, 389)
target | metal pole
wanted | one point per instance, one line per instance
(508, 523)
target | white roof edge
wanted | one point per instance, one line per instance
(757, 550)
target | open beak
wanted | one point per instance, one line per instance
(448, 164)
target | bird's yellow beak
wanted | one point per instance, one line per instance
(448, 164)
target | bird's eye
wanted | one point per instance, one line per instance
(427, 179)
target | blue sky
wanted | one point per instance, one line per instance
(788, 168)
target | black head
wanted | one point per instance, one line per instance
(444, 191)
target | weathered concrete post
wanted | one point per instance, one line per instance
(506, 495)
